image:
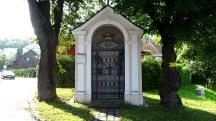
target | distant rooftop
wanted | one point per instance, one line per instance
(34, 47)
(152, 48)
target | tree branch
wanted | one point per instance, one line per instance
(58, 13)
(38, 14)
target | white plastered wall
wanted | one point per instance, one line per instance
(133, 77)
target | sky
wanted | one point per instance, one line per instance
(15, 20)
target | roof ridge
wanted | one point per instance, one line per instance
(102, 10)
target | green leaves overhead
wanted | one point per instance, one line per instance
(183, 18)
(76, 12)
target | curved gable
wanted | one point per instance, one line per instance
(107, 13)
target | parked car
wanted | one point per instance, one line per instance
(6, 74)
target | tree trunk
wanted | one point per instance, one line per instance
(48, 40)
(172, 81)
(47, 69)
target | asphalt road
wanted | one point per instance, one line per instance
(14, 96)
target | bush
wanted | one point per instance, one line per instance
(66, 75)
(151, 73)
(30, 72)
(185, 74)
(198, 78)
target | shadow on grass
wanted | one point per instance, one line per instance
(156, 112)
(83, 111)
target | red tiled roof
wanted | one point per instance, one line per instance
(151, 47)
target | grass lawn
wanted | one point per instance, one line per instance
(195, 108)
(63, 110)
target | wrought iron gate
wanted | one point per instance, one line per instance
(108, 64)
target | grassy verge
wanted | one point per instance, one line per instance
(195, 108)
(63, 110)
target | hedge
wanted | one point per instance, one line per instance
(66, 72)
(30, 72)
(185, 74)
(152, 73)
(198, 78)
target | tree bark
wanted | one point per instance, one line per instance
(171, 82)
(47, 70)
(48, 40)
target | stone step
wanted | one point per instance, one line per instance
(107, 114)
(107, 103)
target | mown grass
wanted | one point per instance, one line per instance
(195, 108)
(64, 110)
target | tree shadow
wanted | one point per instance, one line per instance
(83, 112)
(156, 112)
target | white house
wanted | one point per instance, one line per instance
(108, 59)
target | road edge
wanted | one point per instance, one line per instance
(34, 110)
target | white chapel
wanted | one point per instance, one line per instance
(108, 59)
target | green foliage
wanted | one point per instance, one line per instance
(189, 21)
(151, 73)
(66, 73)
(198, 78)
(201, 59)
(185, 74)
(4, 61)
(192, 22)
(30, 72)
(19, 52)
(74, 15)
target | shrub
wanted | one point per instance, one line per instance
(151, 73)
(30, 72)
(198, 78)
(185, 74)
(66, 72)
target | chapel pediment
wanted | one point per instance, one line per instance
(107, 13)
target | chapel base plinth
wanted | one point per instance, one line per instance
(83, 98)
(134, 99)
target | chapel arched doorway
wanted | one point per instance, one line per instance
(108, 63)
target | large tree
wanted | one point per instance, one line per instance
(175, 21)
(47, 17)
(47, 31)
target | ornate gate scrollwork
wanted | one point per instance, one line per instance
(108, 64)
